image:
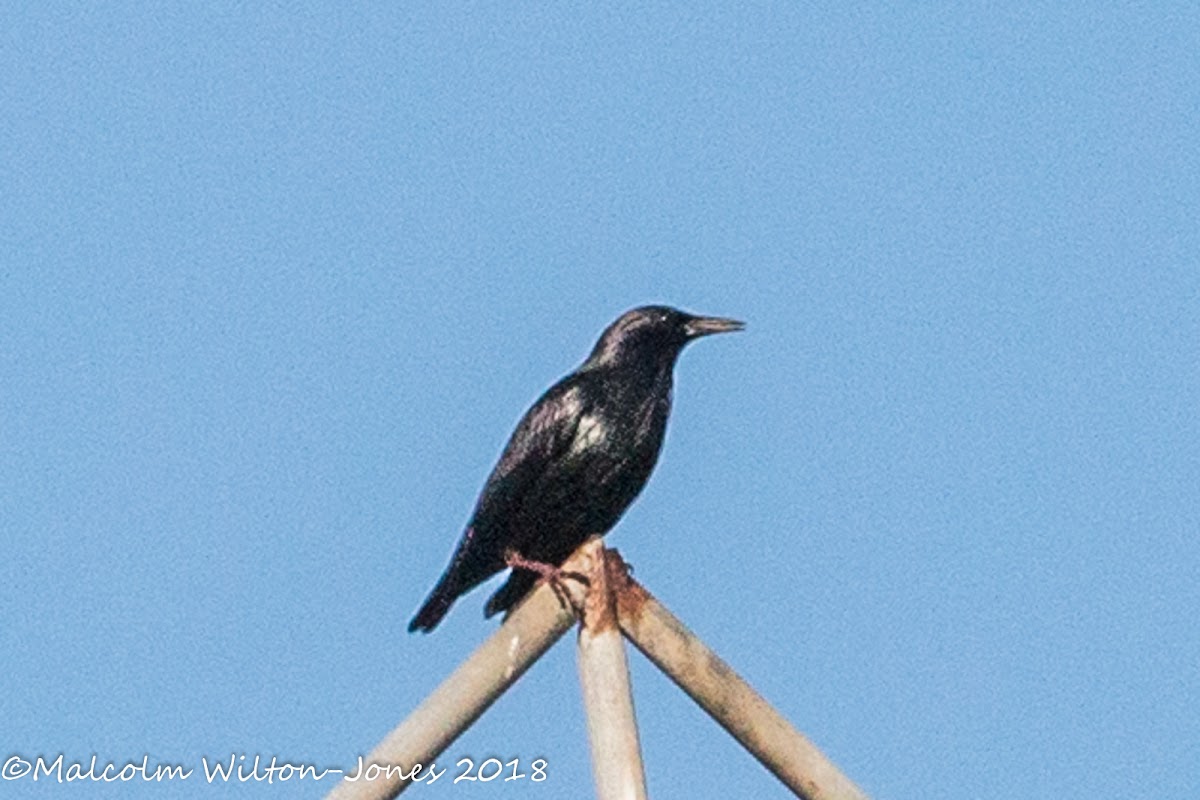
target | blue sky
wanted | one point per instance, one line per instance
(276, 283)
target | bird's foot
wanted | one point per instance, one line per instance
(555, 576)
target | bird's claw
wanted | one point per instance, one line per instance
(551, 574)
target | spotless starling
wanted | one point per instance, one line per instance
(576, 461)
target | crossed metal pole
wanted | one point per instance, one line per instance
(611, 605)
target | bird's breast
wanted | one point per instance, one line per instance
(592, 432)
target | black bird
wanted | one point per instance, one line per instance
(576, 461)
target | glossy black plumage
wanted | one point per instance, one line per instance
(577, 459)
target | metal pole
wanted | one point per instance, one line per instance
(530, 630)
(723, 694)
(607, 696)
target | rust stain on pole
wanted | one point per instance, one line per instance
(599, 604)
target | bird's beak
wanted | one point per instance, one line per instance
(703, 326)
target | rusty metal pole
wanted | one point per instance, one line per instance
(727, 698)
(530, 630)
(535, 625)
(607, 696)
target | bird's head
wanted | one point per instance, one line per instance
(654, 334)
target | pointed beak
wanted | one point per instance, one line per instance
(703, 326)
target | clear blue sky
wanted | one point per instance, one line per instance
(276, 283)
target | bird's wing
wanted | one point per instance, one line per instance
(543, 436)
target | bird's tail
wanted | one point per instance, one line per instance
(434, 608)
(519, 584)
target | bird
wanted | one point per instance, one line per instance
(575, 462)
